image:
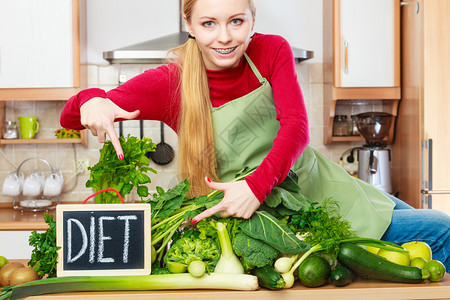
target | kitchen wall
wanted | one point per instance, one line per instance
(299, 21)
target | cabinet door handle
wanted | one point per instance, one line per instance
(346, 57)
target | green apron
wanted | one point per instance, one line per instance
(244, 131)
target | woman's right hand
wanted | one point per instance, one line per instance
(98, 115)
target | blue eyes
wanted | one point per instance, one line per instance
(208, 24)
(233, 22)
(236, 21)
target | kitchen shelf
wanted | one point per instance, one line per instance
(82, 140)
(387, 104)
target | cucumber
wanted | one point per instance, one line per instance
(365, 263)
(341, 276)
(268, 277)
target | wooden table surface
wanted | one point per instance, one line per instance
(360, 289)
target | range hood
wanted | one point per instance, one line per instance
(155, 51)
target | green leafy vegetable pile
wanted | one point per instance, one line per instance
(122, 175)
(44, 254)
(190, 247)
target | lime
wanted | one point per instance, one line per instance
(436, 270)
(314, 271)
(176, 267)
(3, 261)
(418, 262)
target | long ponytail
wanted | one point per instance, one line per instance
(197, 156)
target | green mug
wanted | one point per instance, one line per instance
(28, 127)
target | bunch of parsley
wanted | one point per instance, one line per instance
(44, 254)
(122, 175)
(322, 224)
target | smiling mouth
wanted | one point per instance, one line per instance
(225, 50)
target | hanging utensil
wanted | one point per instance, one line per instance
(163, 153)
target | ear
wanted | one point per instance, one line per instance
(188, 25)
(253, 23)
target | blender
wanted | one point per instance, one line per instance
(373, 157)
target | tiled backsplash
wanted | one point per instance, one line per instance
(61, 156)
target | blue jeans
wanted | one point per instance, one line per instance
(427, 225)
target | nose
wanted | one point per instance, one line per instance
(224, 35)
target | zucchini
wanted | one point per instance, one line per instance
(341, 276)
(368, 264)
(268, 277)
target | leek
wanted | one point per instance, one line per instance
(130, 283)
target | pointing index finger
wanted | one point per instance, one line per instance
(115, 141)
(207, 213)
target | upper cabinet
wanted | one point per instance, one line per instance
(367, 45)
(362, 48)
(42, 54)
(40, 50)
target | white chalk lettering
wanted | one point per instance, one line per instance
(69, 240)
(126, 235)
(92, 241)
(101, 241)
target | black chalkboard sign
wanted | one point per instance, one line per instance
(103, 239)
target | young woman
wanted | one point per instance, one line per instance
(234, 99)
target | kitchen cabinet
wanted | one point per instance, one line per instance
(38, 44)
(42, 54)
(362, 48)
(420, 152)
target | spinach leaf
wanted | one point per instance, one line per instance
(290, 200)
(290, 183)
(265, 227)
(165, 203)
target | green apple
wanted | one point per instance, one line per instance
(418, 249)
(401, 258)
(418, 262)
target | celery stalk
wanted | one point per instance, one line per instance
(130, 283)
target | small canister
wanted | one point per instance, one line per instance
(340, 125)
(10, 130)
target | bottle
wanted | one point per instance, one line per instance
(10, 130)
(340, 126)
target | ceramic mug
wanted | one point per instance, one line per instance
(32, 185)
(28, 126)
(53, 184)
(12, 186)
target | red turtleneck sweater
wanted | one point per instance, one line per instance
(154, 94)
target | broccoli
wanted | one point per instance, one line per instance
(253, 252)
(191, 247)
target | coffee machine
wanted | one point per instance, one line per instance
(373, 157)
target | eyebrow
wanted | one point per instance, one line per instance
(231, 17)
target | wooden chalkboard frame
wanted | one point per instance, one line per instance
(88, 208)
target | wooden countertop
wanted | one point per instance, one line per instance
(11, 219)
(360, 289)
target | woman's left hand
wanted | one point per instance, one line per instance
(238, 201)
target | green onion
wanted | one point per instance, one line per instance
(130, 283)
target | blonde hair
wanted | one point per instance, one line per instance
(197, 156)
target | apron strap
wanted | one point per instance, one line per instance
(254, 69)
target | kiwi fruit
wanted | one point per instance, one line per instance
(22, 275)
(6, 271)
